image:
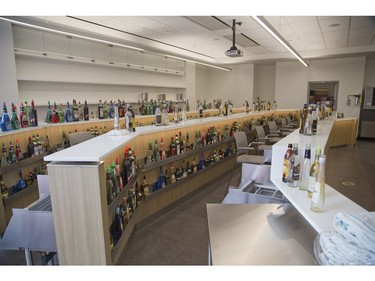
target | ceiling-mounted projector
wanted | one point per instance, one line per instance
(233, 51)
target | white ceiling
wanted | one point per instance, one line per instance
(206, 38)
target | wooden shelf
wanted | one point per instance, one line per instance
(23, 163)
(177, 183)
(21, 193)
(181, 156)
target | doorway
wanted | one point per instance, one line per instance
(323, 91)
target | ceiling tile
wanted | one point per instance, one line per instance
(312, 38)
(277, 49)
(336, 44)
(258, 50)
(269, 42)
(361, 33)
(330, 24)
(300, 19)
(358, 42)
(310, 27)
(358, 22)
(335, 35)
(257, 33)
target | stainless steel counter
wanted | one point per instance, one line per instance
(259, 234)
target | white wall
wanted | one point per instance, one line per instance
(236, 85)
(292, 81)
(8, 76)
(264, 81)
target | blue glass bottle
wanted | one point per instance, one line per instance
(68, 113)
(161, 180)
(5, 120)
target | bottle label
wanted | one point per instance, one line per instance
(311, 184)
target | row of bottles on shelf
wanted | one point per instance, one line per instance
(25, 180)
(37, 145)
(161, 113)
(308, 176)
(260, 105)
(27, 118)
(310, 115)
(182, 143)
(117, 179)
(124, 211)
(150, 107)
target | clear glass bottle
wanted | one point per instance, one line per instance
(294, 167)
(116, 120)
(158, 119)
(313, 172)
(305, 171)
(307, 129)
(318, 197)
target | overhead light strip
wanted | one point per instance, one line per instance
(264, 23)
(107, 42)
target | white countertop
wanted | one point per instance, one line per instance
(259, 234)
(96, 149)
(334, 201)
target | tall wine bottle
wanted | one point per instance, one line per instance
(287, 155)
(294, 168)
(5, 120)
(318, 197)
(313, 172)
(305, 171)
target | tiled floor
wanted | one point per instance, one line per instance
(180, 236)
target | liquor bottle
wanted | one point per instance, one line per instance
(172, 150)
(12, 155)
(118, 224)
(303, 115)
(111, 111)
(274, 105)
(3, 188)
(14, 120)
(318, 197)
(19, 155)
(125, 167)
(49, 113)
(4, 156)
(114, 178)
(80, 112)
(100, 110)
(21, 184)
(158, 120)
(268, 105)
(145, 187)
(138, 194)
(150, 154)
(68, 113)
(105, 110)
(30, 148)
(178, 145)
(75, 111)
(200, 111)
(116, 118)
(131, 199)
(5, 120)
(86, 115)
(167, 178)
(287, 155)
(54, 118)
(184, 169)
(314, 126)
(161, 147)
(294, 168)
(156, 151)
(173, 175)
(23, 117)
(61, 113)
(305, 171)
(313, 172)
(109, 185)
(179, 172)
(202, 163)
(307, 130)
(118, 175)
(33, 115)
(161, 180)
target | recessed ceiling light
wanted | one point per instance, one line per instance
(334, 25)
